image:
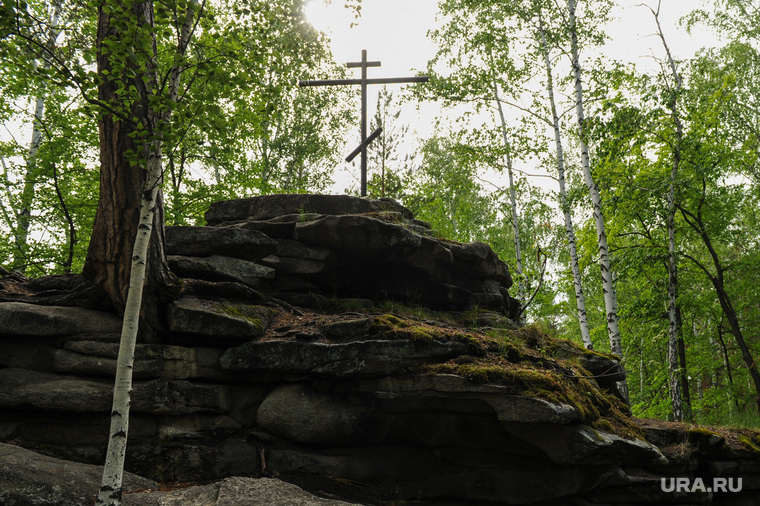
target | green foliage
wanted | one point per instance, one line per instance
(443, 192)
(237, 126)
(48, 189)
(383, 154)
(635, 141)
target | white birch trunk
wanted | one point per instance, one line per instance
(674, 368)
(24, 216)
(521, 295)
(674, 379)
(610, 297)
(580, 298)
(113, 470)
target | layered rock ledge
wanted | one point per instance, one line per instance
(299, 245)
(274, 365)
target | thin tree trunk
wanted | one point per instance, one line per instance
(724, 356)
(718, 282)
(33, 171)
(580, 298)
(608, 287)
(684, 377)
(521, 295)
(72, 233)
(150, 217)
(674, 382)
(113, 470)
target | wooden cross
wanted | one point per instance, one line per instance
(364, 64)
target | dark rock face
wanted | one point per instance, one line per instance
(293, 358)
(31, 479)
(370, 358)
(273, 206)
(207, 241)
(215, 320)
(350, 247)
(20, 319)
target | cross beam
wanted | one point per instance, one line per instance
(364, 64)
(358, 149)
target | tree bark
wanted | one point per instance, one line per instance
(580, 298)
(137, 252)
(122, 183)
(674, 372)
(113, 470)
(608, 287)
(683, 373)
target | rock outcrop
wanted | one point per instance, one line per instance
(28, 478)
(335, 343)
(339, 245)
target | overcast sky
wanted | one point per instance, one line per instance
(395, 33)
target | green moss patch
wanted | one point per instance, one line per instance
(390, 326)
(258, 315)
(751, 441)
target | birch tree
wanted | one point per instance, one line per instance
(521, 292)
(674, 369)
(138, 123)
(580, 298)
(608, 287)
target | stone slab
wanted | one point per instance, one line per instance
(31, 479)
(223, 322)
(22, 319)
(354, 359)
(207, 241)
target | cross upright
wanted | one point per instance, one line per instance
(364, 64)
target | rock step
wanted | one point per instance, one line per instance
(372, 358)
(48, 480)
(218, 323)
(22, 319)
(266, 207)
(340, 245)
(21, 388)
(208, 241)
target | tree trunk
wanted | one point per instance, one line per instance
(122, 183)
(694, 220)
(674, 372)
(136, 252)
(113, 470)
(674, 380)
(673, 327)
(33, 172)
(580, 298)
(521, 295)
(733, 321)
(608, 287)
(684, 377)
